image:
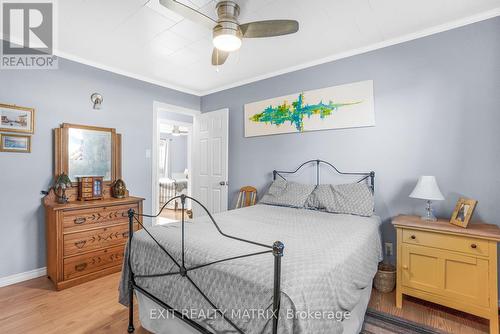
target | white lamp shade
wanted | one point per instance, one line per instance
(427, 188)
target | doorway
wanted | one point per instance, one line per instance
(172, 165)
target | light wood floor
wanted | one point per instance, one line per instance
(34, 307)
(429, 314)
(173, 214)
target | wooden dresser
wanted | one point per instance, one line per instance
(85, 240)
(449, 265)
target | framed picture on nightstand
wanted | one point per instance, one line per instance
(463, 212)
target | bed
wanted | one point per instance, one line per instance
(319, 283)
(172, 187)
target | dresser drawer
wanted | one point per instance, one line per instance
(80, 265)
(456, 243)
(86, 218)
(84, 241)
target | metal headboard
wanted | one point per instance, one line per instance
(364, 175)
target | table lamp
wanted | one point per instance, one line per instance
(428, 190)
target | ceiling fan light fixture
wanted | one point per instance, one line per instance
(227, 42)
(176, 131)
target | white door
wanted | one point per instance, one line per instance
(210, 156)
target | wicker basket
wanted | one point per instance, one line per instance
(385, 278)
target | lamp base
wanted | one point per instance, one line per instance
(429, 219)
(429, 216)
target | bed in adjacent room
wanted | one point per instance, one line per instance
(326, 272)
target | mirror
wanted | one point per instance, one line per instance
(89, 153)
(83, 150)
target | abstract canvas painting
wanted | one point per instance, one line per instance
(345, 106)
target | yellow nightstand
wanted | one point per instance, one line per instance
(449, 265)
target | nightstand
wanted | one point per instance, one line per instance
(448, 265)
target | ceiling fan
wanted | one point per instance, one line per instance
(176, 131)
(227, 31)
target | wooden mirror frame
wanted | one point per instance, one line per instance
(61, 164)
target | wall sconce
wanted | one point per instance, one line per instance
(96, 99)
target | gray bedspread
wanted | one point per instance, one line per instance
(328, 260)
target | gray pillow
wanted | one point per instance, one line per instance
(285, 193)
(352, 199)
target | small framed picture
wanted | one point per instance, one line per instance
(17, 119)
(15, 143)
(463, 212)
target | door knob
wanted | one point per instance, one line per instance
(223, 183)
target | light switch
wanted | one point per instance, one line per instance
(148, 154)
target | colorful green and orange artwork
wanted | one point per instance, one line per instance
(295, 112)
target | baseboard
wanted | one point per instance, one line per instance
(27, 275)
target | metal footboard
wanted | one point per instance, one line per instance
(276, 250)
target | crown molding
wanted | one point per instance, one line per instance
(423, 33)
(125, 73)
(200, 93)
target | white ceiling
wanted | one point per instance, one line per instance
(141, 39)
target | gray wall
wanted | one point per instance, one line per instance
(437, 103)
(64, 96)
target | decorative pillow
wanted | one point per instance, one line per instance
(351, 198)
(285, 193)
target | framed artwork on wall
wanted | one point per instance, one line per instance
(17, 119)
(345, 106)
(15, 143)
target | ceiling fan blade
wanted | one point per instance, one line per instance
(269, 28)
(219, 57)
(189, 13)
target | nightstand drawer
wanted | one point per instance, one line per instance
(461, 244)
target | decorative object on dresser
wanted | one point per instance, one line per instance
(17, 119)
(119, 189)
(15, 143)
(85, 239)
(89, 187)
(463, 212)
(60, 185)
(246, 197)
(427, 189)
(449, 265)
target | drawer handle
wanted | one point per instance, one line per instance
(125, 234)
(81, 266)
(80, 244)
(473, 246)
(405, 267)
(413, 237)
(80, 220)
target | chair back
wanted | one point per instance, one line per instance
(246, 197)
